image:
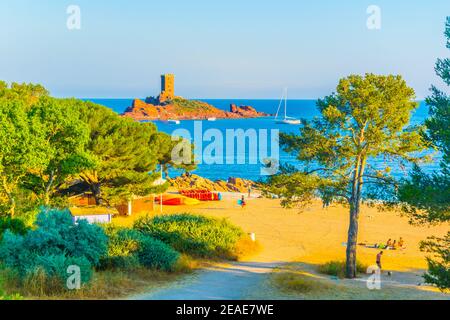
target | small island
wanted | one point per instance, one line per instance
(167, 106)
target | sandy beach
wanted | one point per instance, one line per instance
(317, 235)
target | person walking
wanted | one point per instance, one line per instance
(379, 255)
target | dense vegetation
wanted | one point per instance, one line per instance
(47, 145)
(426, 197)
(47, 251)
(37, 260)
(16, 226)
(50, 146)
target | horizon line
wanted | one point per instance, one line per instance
(125, 98)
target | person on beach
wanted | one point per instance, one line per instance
(249, 190)
(401, 243)
(394, 245)
(243, 204)
(389, 243)
(379, 259)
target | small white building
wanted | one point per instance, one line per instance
(93, 214)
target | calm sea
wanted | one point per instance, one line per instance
(250, 170)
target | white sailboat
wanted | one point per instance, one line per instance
(286, 119)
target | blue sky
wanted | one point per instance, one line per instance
(231, 49)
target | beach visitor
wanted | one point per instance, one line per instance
(243, 204)
(379, 259)
(389, 243)
(401, 243)
(249, 190)
(394, 245)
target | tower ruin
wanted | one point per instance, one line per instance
(167, 87)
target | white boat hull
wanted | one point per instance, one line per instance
(287, 121)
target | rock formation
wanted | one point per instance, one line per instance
(192, 181)
(182, 109)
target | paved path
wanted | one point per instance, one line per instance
(223, 282)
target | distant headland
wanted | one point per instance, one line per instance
(168, 106)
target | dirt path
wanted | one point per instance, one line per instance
(235, 281)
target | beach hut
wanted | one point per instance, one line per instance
(137, 205)
(93, 214)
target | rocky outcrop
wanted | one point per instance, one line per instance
(245, 111)
(182, 109)
(192, 181)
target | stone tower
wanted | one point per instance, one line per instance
(167, 87)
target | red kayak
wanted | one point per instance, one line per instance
(172, 202)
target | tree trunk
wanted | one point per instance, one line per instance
(355, 207)
(12, 208)
(352, 240)
(48, 187)
(96, 191)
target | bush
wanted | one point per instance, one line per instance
(123, 245)
(55, 244)
(195, 235)
(130, 249)
(155, 254)
(16, 226)
(337, 268)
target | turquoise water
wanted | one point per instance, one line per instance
(251, 170)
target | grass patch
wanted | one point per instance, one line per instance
(198, 236)
(106, 284)
(337, 268)
(297, 282)
(190, 105)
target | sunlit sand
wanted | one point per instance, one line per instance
(316, 235)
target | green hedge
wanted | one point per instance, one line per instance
(196, 235)
(128, 249)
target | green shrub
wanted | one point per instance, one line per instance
(52, 246)
(337, 268)
(16, 226)
(130, 249)
(57, 266)
(123, 245)
(195, 235)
